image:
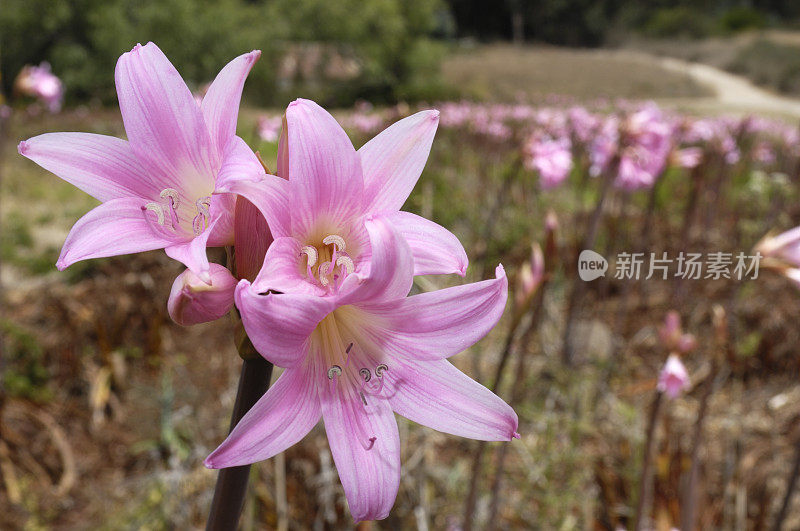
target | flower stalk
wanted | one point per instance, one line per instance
(229, 493)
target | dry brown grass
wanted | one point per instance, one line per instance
(503, 72)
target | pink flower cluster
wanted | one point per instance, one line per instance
(635, 142)
(330, 262)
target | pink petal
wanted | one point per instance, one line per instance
(252, 238)
(102, 166)
(279, 325)
(221, 103)
(438, 395)
(192, 253)
(283, 151)
(436, 250)
(324, 169)
(438, 324)
(393, 161)
(282, 270)
(118, 226)
(371, 477)
(164, 124)
(222, 210)
(242, 174)
(389, 273)
(280, 418)
(192, 301)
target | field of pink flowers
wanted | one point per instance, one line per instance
(661, 394)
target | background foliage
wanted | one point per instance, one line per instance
(389, 41)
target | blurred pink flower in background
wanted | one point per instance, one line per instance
(269, 128)
(764, 153)
(672, 336)
(688, 158)
(551, 158)
(673, 379)
(39, 82)
(646, 138)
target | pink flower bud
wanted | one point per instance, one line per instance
(530, 276)
(192, 301)
(672, 336)
(551, 221)
(674, 378)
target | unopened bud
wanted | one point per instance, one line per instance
(192, 301)
(530, 277)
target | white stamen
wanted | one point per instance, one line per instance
(324, 270)
(347, 263)
(379, 370)
(203, 204)
(335, 370)
(365, 374)
(312, 254)
(336, 240)
(172, 194)
(200, 221)
(158, 209)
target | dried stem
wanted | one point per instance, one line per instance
(226, 507)
(645, 481)
(517, 392)
(579, 289)
(790, 487)
(689, 501)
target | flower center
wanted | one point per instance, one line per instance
(167, 212)
(354, 376)
(328, 264)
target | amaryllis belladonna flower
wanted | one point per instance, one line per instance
(158, 187)
(330, 305)
(674, 378)
(324, 191)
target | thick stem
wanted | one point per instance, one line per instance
(645, 481)
(790, 486)
(226, 507)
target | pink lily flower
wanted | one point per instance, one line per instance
(158, 188)
(673, 379)
(334, 310)
(324, 191)
(360, 353)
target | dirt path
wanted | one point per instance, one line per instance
(730, 91)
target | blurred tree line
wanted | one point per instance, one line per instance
(596, 22)
(333, 51)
